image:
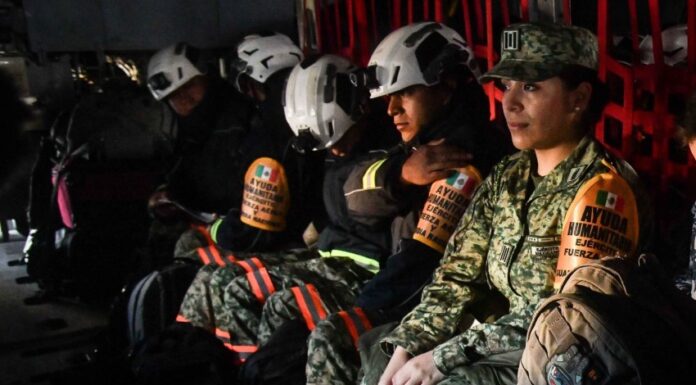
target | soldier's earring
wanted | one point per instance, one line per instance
(577, 108)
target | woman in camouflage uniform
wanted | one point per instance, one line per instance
(509, 239)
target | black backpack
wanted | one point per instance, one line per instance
(282, 360)
(614, 322)
(183, 354)
(154, 301)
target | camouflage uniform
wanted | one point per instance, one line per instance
(189, 241)
(332, 357)
(222, 298)
(508, 240)
(205, 294)
(251, 322)
(331, 354)
(493, 248)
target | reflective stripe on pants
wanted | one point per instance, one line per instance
(309, 302)
(356, 322)
(259, 280)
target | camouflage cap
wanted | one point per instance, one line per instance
(534, 52)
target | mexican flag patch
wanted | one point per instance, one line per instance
(610, 200)
(266, 173)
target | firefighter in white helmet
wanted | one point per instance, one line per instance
(262, 64)
(427, 74)
(212, 128)
(328, 112)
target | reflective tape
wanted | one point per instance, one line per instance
(214, 229)
(366, 262)
(204, 255)
(251, 264)
(309, 302)
(181, 318)
(206, 234)
(210, 254)
(369, 180)
(356, 322)
(241, 352)
(258, 277)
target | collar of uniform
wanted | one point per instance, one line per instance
(571, 170)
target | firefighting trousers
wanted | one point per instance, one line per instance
(310, 290)
(332, 348)
(220, 267)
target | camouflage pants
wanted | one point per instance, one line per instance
(496, 369)
(332, 357)
(250, 322)
(197, 306)
(188, 242)
(205, 293)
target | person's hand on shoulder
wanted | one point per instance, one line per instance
(431, 162)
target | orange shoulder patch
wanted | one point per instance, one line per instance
(444, 207)
(601, 221)
(266, 198)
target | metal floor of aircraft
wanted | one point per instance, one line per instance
(37, 341)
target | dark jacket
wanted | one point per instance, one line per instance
(395, 289)
(211, 149)
(270, 136)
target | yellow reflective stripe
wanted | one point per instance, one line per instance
(214, 229)
(369, 179)
(368, 263)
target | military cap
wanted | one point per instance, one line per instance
(534, 51)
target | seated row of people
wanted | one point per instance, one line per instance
(445, 211)
(221, 130)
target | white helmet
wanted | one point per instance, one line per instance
(416, 54)
(260, 57)
(675, 45)
(170, 68)
(320, 101)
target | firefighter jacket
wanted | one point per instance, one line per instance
(270, 136)
(212, 148)
(341, 235)
(305, 178)
(374, 193)
(506, 241)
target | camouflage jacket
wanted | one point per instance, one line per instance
(501, 244)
